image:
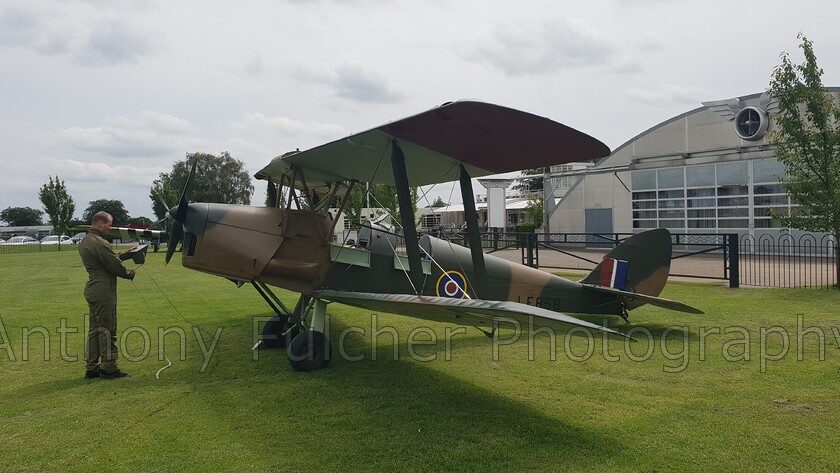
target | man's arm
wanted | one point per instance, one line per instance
(111, 261)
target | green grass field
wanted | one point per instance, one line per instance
(693, 403)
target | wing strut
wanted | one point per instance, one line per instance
(415, 272)
(471, 216)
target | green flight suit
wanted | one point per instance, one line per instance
(103, 267)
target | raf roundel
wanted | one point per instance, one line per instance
(452, 284)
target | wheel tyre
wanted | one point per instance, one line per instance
(272, 332)
(310, 351)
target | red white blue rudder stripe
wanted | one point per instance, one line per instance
(614, 273)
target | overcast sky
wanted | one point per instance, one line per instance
(107, 94)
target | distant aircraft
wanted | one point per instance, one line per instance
(290, 243)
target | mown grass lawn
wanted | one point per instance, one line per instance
(704, 400)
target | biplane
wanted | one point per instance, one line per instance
(289, 244)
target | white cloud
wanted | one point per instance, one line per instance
(113, 42)
(354, 82)
(290, 128)
(668, 94)
(89, 36)
(153, 134)
(544, 45)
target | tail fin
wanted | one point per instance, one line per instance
(639, 264)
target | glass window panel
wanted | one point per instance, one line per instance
(700, 175)
(645, 214)
(734, 212)
(729, 174)
(769, 189)
(701, 224)
(644, 195)
(644, 224)
(645, 204)
(733, 201)
(767, 223)
(672, 223)
(671, 204)
(643, 180)
(707, 192)
(704, 213)
(701, 203)
(771, 200)
(734, 223)
(733, 190)
(672, 214)
(669, 178)
(671, 194)
(768, 170)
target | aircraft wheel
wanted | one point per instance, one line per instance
(272, 332)
(310, 351)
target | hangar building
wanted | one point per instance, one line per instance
(709, 170)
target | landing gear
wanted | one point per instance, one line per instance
(278, 332)
(310, 351)
(310, 347)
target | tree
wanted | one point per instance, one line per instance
(807, 142)
(21, 216)
(220, 179)
(533, 183)
(113, 207)
(382, 196)
(534, 209)
(143, 221)
(58, 204)
(438, 203)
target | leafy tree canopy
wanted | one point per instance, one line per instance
(220, 179)
(22, 216)
(139, 221)
(113, 207)
(533, 181)
(58, 204)
(807, 141)
(438, 203)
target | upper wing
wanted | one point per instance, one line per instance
(485, 138)
(644, 298)
(460, 311)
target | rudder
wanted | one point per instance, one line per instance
(639, 264)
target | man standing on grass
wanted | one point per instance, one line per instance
(103, 267)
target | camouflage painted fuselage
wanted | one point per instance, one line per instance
(292, 249)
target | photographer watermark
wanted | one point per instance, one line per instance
(134, 343)
(675, 347)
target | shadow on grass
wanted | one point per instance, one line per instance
(403, 414)
(369, 415)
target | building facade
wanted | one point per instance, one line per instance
(709, 170)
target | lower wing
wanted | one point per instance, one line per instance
(460, 311)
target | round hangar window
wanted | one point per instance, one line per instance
(751, 123)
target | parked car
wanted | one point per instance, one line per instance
(56, 239)
(78, 237)
(21, 240)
